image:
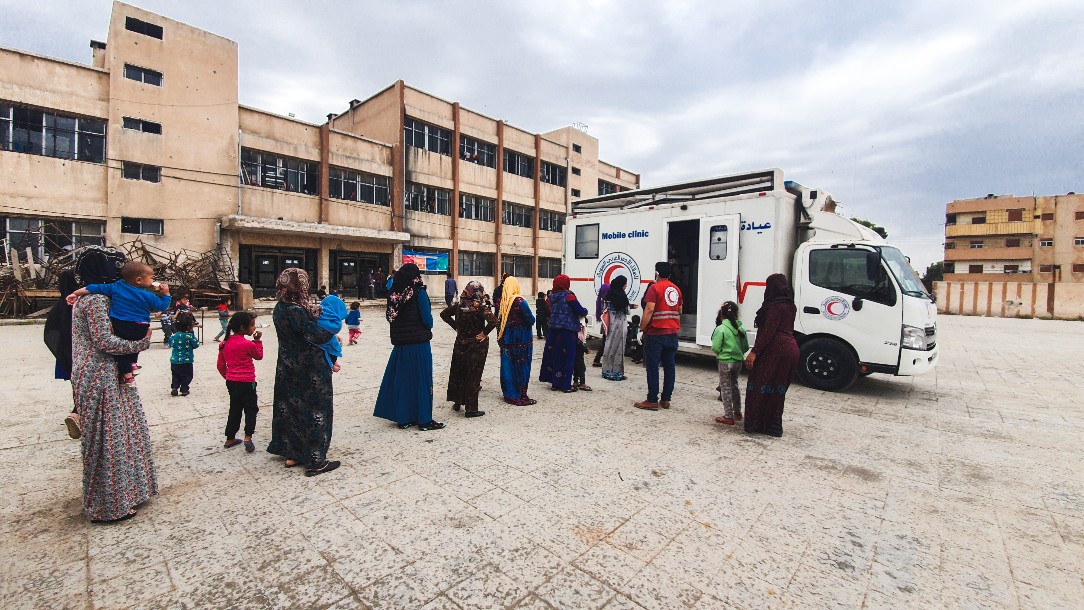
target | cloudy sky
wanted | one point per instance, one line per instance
(895, 107)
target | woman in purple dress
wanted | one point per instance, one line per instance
(773, 359)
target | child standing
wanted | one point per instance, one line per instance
(223, 317)
(332, 314)
(129, 311)
(180, 361)
(579, 369)
(353, 322)
(542, 314)
(729, 343)
(235, 364)
(166, 318)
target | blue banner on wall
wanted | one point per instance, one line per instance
(426, 261)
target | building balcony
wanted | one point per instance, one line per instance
(988, 254)
(1024, 227)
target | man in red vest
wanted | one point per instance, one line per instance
(660, 325)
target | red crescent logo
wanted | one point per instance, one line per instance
(828, 308)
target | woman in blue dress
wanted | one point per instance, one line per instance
(559, 357)
(406, 393)
(517, 344)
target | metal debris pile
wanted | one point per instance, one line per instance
(27, 283)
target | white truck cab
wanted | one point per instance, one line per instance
(861, 309)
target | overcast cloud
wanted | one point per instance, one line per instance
(894, 107)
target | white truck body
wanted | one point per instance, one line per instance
(861, 309)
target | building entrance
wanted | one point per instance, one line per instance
(260, 266)
(348, 268)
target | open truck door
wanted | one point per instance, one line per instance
(718, 281)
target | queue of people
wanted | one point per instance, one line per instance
(119, 472)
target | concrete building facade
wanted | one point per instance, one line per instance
(1015, 239)
(149, 141)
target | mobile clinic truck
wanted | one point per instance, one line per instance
(861, 309)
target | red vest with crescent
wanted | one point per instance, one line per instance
(666, 320)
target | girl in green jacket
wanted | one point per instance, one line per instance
(729, 344)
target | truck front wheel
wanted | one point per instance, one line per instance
(826, 364)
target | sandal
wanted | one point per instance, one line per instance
(131, 513)
(584, 387)
(405, 426)
(328, 466)
(529, 401)
(250, 446)
(724, 420)
(433, 425)
(233, 442)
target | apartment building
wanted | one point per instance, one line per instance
(1007, 238)
(149, 141)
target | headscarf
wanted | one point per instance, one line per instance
(561, 283)
(601, 299)
(404, 287)
(473, 297)
(777, 290)
(618, 298)
(292, 287)
(511, 292)
(93, 265)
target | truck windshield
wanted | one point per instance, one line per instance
(901, 270)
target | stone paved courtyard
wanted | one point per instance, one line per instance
(960, 489)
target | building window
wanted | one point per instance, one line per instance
(1047, 216)
(138, 171)
(978, 220)
(607, 188)
(476, 263)
(848, 271)
(575, 171)
(549, 268)
(476, 151)
(1079, 215)
(1016, 215)
(950, 267)
(1012, 268)
(142, 27)
(1046, 243)
(1078, 241)
(974, 268)
(1078, 268)
(142, 226)
(276, 172)
(141, 125)
(575, 192)
(143, 75)
(430, 199)
(475, 207)
(552, 174)
(950, 219)
(430, 137)
(47, 237)
(576, 148)
(517, 215)
(1012, 242)
(975, 244)
(587, 241)
(549, 220)
(518, 164)
(358, 186)
(1046, 268)
(40, 132)
(516, 266)
(950, 245)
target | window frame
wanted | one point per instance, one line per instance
(433, 137)
(605, 187)
(37, 131)
(479, 152)
(427, 199)
(545, 267)
(360, 184)
(141, 172)
(476, 207)
(144, 74)
(583, 241)
(517, 215)
(143, 27)
(134, 124)
(883, 291)
(550, 220)
(518, 163)
(127, 222)
(513, 264)
(1046, 243)
(971, 269)
(477, 264)
(288, 174)
(554, 174)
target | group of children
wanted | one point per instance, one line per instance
(135, 296)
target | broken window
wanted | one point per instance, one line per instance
(553, 174)
(549, 220)
(476, 151)
(259, 168)
(143, 75)
(39, 132)
(142, 27)
(358, 186)
(141, 125)
(426, 136)
(517, 215)
(430, 199)
(607, 188)
(139, 171)
(476, 207)
(518, 164)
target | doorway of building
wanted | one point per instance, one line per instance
(347, 268)
(260, 266)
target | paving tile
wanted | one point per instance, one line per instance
(573, 589)
(487, 588)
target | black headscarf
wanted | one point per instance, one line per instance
(618, 298)
(778, 290)
(94, 265)
(404, 287)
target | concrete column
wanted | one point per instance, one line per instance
(453, 256)
(325, 171)
(537, 214)
(498, 214)
(398, 165)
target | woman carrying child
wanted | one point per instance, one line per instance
(235, 364)
(729, 343)
(560, 355)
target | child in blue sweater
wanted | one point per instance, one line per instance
(332, 314)
(129, 311)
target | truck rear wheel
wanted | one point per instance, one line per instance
(826, 364)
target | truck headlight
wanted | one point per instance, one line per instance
(914, 338)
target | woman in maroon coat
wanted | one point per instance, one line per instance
(773, 359)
